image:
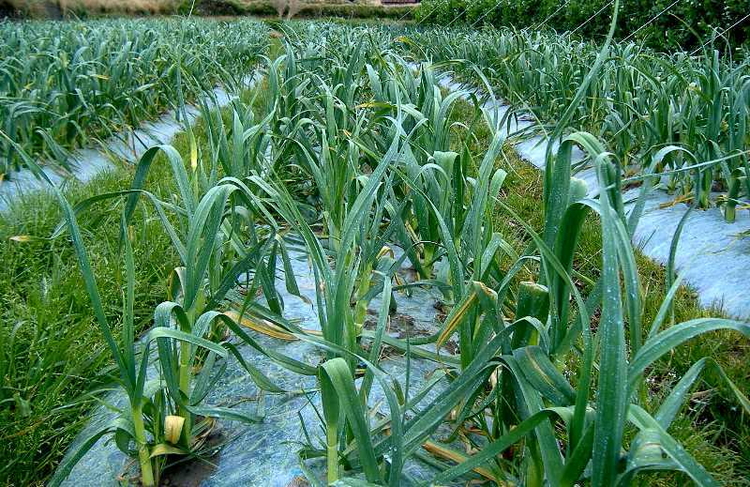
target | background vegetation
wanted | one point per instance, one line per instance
(58, 8)
(361, 9)
(682, 25)
(307, 9)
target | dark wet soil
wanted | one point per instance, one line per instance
(401, 326)
(188, 474)
(193, 472)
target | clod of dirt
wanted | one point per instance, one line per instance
(401, 325)
(193, 472)
(298, 482)
(451, 347)
(188, 474)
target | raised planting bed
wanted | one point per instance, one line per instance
(83, 164)
(271, 451)
(711, 255)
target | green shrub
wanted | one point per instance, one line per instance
(684, 25)
(356, 11)
(318, 10)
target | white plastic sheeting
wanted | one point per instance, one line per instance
(711, 256)
(127, 146)
(266, 453)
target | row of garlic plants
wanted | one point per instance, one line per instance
(352, 153)
(639, 102)
(65, 83)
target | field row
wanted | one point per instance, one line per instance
(344, 246)
(63, 85)
(686, 117)
(679, 115)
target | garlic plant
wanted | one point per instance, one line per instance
(354, 153)
(638, 102)
(70, 83)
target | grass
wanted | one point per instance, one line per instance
(715, 432)
(51, 348)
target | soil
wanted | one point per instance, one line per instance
(442, 311)
(8, 11)
(193, 472)
(188, 474)
(631, 185)
(298, 482)
(402, 325)
(451, 347)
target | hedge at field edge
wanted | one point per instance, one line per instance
(684, 25)
(307, 10)
(56, 9)
(86, 8)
